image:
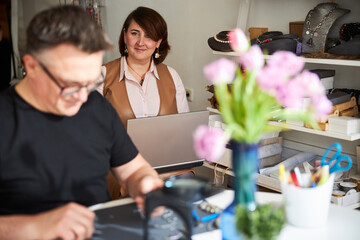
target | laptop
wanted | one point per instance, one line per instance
(166, 141)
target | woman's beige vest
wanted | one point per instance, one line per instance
(115, 91)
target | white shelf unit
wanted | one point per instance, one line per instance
(272, 183)
(301, 138)
(351, 137)
(266, 182)
(338, 62)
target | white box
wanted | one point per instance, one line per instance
(344, 124)
(327, 82)
(346, 200)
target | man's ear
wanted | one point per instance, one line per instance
(30, 64)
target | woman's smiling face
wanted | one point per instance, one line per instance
(139, 45)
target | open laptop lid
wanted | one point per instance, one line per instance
(166, 141)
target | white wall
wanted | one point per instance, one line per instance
(190, 24)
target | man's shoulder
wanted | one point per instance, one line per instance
(112, 63)
(98, 103)
(7, 95)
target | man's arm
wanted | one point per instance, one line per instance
(71, 221)
(139, 178)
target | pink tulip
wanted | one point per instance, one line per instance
(269, 79)
(209, 144)
(220, 71)
(290, 94)
(322, 106)
(238, 41)
(286, 61)
(252, 59)
(311, 83)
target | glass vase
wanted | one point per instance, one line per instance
(245, 165)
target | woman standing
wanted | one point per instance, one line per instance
(138, 84)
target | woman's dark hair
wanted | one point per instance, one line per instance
(154, 26)
(65, 24)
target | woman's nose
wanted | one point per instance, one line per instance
(141, 40)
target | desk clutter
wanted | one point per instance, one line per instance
(126, 222)
(306, 195)
(274, 154)
(345, 116)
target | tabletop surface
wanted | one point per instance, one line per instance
(342, 222)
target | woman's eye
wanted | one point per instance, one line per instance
(134, 33)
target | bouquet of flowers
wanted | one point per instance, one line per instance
(251, 92)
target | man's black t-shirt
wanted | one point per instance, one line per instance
(48, 160)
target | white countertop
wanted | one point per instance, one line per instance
(342, 221)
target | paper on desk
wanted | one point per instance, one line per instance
(290, 162)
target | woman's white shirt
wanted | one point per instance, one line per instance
(145, 99)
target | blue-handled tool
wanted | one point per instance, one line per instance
(335, 161)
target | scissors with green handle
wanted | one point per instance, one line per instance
(335, 161)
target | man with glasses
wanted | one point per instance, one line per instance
(58, 138)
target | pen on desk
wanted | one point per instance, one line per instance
(282, 173)
(298, 176)
(315, 177)
(324, 174)
(294, 178)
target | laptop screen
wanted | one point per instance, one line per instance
(166, 141)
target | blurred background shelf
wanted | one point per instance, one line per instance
(351, 137)
(339, 62)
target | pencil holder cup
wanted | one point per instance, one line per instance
(307, 207)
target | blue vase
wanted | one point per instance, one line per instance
(245, 165)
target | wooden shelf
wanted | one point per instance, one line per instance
(339, 62)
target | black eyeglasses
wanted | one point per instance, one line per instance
(70, 90)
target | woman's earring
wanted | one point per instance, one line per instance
(157, 54)
(125, 51)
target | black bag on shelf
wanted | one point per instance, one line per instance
(273, 41)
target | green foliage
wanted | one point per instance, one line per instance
(246, 109)
(264, 223)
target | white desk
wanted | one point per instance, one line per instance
(342, 223)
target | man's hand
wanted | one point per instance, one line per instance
(147, 184)
(72, 221)
(68, 222)
(139, 178)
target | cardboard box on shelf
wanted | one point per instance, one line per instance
(296, 28)
(257, 31)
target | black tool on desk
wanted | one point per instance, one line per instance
(125, 221)
(179, 193)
